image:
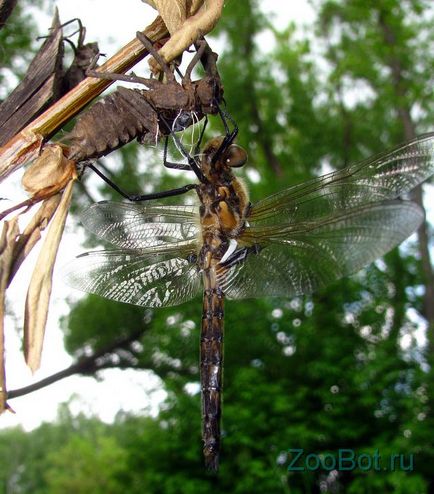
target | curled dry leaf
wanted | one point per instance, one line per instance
(45, 177)
(186, 21)
(49, 173)
(7, 242)
(38, 294)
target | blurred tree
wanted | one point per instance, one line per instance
(86, 465)
(384, 49)
(17, 34)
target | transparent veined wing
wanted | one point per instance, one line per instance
(300, 257)
(153, 277)
(385, 176)
(136, 226)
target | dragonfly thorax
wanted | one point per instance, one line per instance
(223, 197)
(223, 200)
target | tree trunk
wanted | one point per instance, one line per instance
(6, 8)
(404, 114)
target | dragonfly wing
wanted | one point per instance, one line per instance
(135, 226)
(149, 278)
(292, 259)
(384, 176)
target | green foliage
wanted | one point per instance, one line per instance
(109, 321)
(82, 466)
(74, 454)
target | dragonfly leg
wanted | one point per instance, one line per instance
(230, 135)
(193, 164)
(225, 117)
(183, 166)
(169, 164)
(202, 132)
(142, 197)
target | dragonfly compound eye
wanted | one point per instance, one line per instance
(235, 156)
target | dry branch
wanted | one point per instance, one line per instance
(85, 365)
(47, 176)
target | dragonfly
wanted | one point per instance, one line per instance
(293, 242)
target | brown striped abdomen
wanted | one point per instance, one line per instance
(113, 121)
(211, 368)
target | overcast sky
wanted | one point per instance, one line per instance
(112, 24)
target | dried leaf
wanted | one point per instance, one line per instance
(49, 173)
(47, 176)
(45, 81)
(7, 242)
(39, 88)
(38, 295)
(32, 233)
(187, 21)
(173, 13)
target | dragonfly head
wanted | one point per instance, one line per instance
(219, 152)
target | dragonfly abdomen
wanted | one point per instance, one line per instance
(211, 350)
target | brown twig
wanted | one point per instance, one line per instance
(84, 365)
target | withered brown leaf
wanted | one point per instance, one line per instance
(38, 294)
